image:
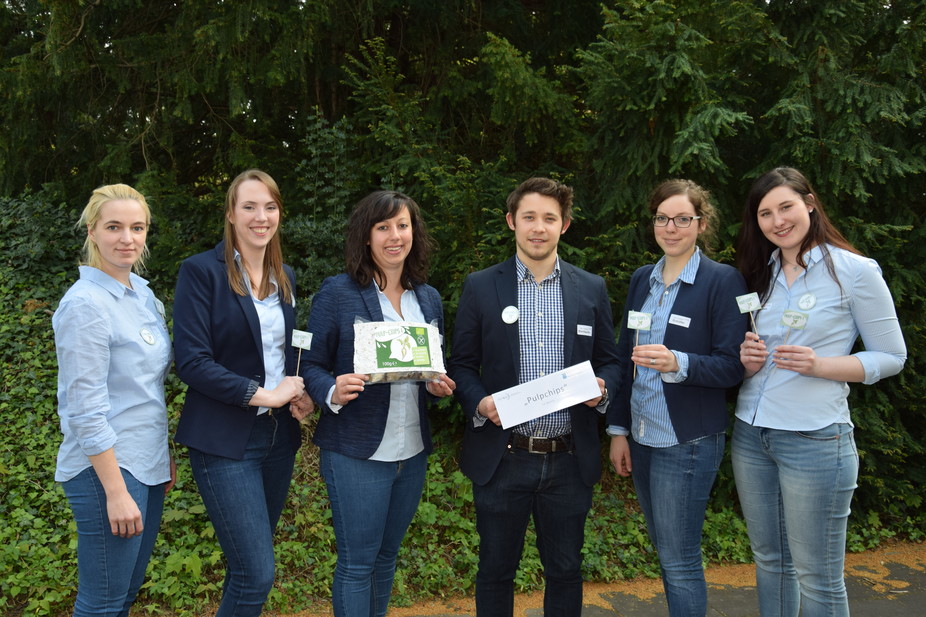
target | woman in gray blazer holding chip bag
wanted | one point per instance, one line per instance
(374, 438)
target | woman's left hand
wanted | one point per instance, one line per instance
(173, 476)
(442, 386)
(796, 358)
(301, 407)
(657, 357)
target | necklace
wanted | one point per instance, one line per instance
(794, 267)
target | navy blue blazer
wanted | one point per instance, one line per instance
(697, 406)
(218, 351)
(358, 428)
(486, 358)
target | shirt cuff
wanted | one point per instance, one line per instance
(334, 407)
(478, 419)
(249, 393)
(682, 373)
(616, 431)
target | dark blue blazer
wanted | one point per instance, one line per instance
(217, 349)
(486, 358)
(357, 429)
(697, 406)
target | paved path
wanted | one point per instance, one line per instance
(882, 583)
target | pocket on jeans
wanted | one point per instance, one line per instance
(827, 433)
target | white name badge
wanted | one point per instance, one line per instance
(679, 320)
(583, 330)
(559, 390)
(510, 314)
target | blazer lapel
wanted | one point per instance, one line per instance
(371, 301)
(570, 292)
(506, 286)
(245, 302)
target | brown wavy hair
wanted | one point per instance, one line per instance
(273, 256)
(699, 197)
(376, 207)
(753, 249)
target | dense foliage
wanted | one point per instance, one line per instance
(453, 102)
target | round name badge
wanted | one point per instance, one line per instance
(147, 336)
(510, 314)
(807, 301)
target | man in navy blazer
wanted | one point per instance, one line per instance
(517, 321)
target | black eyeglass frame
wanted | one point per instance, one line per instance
(691, 219)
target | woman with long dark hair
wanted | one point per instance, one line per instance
(794, 455)
(374, 439)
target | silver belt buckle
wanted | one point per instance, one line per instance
(530, 445)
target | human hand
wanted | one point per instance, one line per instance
(620, 455)
(657, 357)
(594, 402)
(442, 386)
(796, 358)
(753, 353)
(487, 409)
(173, 476)
(124, 515)
(302, 407)
(347, 387)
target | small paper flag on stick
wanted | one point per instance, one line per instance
(638, 321)
(749, 303)
(302, 340)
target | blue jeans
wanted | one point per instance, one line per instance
(110, 569)
(673, 485)
(244, 499)
(549, 487)
(795, 488)
(372, 504)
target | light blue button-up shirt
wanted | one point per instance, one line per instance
(113, 355)
(782, 399)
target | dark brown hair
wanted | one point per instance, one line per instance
(273, 256)
(699, 197)
(376, 207)
(754, 249)
(544, 186)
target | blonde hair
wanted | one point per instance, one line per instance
(93, 212)
(273, 256)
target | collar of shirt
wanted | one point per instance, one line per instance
(247, 279)
(811, 257)
(525, 273)
(117, 289)
(688, 274)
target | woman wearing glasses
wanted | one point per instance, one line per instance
(668, 418)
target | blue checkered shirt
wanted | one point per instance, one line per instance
(540, 333)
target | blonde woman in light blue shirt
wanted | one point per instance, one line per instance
(113, 354)
(794, 455)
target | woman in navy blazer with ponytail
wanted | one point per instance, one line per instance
(233, 323)
(374, 439)
(669, 416)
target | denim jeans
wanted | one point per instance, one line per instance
(110, 569)
(673, 485)
(372, 504)
(549, 487)
(795, 488)
(244, 499)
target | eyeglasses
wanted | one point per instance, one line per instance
(680, 221)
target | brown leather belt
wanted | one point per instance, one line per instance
(541, 445)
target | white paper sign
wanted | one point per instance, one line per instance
(749, 302)
(639, 321)
(302, 339)
(559, 390)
